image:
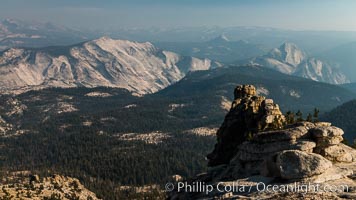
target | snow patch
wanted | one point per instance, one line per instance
(294, 93)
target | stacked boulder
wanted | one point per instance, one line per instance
(328, 139)
(248, 115)
(259, 154)
(255, 145)
(304, 150)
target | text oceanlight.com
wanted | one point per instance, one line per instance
(235, 187)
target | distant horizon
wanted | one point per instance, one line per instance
(172, 27)
(298, 15)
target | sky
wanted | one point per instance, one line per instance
(336, 15)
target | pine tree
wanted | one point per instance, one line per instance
(310, 118)
(316, 115)
(299, 115)
(290, 119)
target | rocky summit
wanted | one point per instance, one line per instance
(259, 156)
(248, 115)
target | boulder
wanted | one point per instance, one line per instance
(322, 124)
(350, 150)
(333, 173)
(269, 167)
(328, 141)
(326, 131)
(289, 134)
(242, 91)
(272, 147)
(253, 151)
(295, 164)
(338, 153)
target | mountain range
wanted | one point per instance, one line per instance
(290, 59)
(139, 67)
(18, 33)
(143, 68)
(313, 42)
(220, 48)
(333, 64)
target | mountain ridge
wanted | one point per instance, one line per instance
(18, 33)
(292, 92)
(290, 59)
(139, 67)
(219, 48)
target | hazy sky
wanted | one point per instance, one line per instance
(289, 14)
